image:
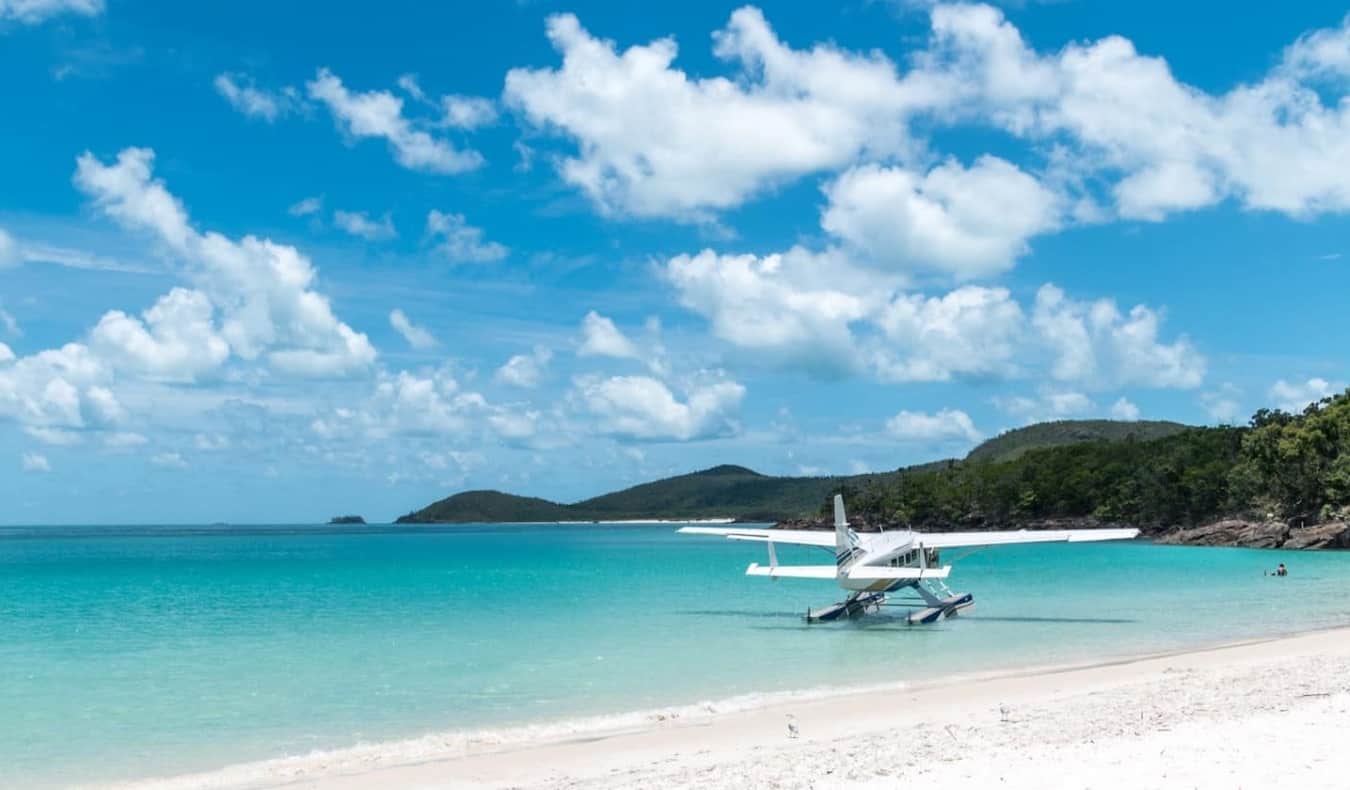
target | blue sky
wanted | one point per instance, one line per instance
(266, 263)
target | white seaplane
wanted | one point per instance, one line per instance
(873, 565)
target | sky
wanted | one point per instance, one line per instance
(268, 262)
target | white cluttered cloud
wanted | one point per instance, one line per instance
(821, 313)
(654, 142)
(248, 299)
(966, 222)
(645, 408)
(263, 290)
(379, 114)
(31, 12)
(651, 141)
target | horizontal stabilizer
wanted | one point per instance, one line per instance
(792, 571)
(880, 573)
(799, 537)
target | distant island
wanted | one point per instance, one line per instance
(346, 520)
(1283, 480)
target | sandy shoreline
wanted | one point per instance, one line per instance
(1254, 714)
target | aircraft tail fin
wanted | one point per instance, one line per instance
(845, 540)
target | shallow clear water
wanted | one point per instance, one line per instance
(152, 650)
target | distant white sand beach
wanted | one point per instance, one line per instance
(644, 521)
(1256, 714)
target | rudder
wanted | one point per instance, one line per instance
(845, 539)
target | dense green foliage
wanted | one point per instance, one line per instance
(1010, 445)
(1283, 465)
(1181, 478)
(1298, 466)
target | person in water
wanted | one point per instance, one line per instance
(1279, 571)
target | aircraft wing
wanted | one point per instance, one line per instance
(949, 540)
(801, 537)
(883, 572)
(793, 571)
(859, 573)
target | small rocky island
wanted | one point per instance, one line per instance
(346, 520)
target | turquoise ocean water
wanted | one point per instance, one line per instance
(132, 652)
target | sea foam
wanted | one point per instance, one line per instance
(453, 744)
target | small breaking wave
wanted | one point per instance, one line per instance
(448, 745)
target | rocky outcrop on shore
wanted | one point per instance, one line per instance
(1332, 535)
(1231, 532)
(1262, 535)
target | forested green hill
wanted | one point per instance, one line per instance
(488, 507)
(1294, 467)
(719, 492)
(1010, 445)
(737, 492)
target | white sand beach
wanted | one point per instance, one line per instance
(1273, 713)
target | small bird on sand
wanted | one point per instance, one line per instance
(1005, 710)
(792, 726)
